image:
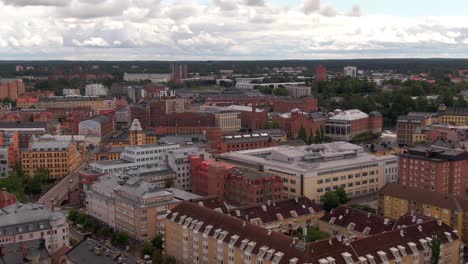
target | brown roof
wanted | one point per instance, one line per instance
(268, 212)
(311, 252)
(6, 199)
(212, 202)
(424, 196)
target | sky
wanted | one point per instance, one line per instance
(232, 29)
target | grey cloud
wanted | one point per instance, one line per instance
(36, 2)
(328, 11)
(355, 11)
(310, 6)
(254, 2)
(227, 5)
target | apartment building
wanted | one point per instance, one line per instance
(434, 169)
(132, 205)
(396, 200)
(25, 222)
(178, 161)
(96, 89)
(298, 91)
(95, 103)
(408, 125)
(284, 216)
(11, 88)
(453, 115)
(27, 129)
(236, 185)
(313, 170)
(201, 235)
(60, 157)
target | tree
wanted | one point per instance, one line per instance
(435, 248)
(330, 200)
(146, 249)
(280, 91)
(314, 234)
(342, 195)
(267, 125)
(120, 238)
(276, 124)
(73, 215)
(303, 134)
(158, 241)
(169, 183)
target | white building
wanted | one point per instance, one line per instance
(350, 71)
(96, 89)
(71, 92)
(147, 157)
(250, 86)
(178, 161)
(23, 222)
(153, 77)
(299, 91)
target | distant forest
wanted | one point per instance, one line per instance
(437, 67)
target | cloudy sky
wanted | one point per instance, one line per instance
(232, 29)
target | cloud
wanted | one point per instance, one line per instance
(328, 11)
(254, 2)
(355, 11)
(310, 6)
(92, 42)
(226, 5)
(36, 2)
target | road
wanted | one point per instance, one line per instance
(61, 190)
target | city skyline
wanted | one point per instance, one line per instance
(231, 30)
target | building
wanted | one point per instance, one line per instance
(321, 74)
(20, 223)
(9, 142)
(250, 116)
(209, 236)
(179, 72)
(96, 89)
(153, 77)
(454, 115)
(6, 198)
(97, 127)
(284, 216)
(60, 157)
(293, 121)
(94, 103)
(237, 142)
(345, 125)
(434, 169)
(236, 185)
(31, 251)
(254, 85)
(408, 125)
(299, 91)
(134, 206)
(178, 161)
(11, 88)
(142, 113)
(26, 130)
(228, 121)
(94, 251)
(186, 119)
(350, 71)
(71, 92)
(313, 170)
(396, 200)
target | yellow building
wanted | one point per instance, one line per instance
(196, 234)
(95, 103)
(396, 200)
(228, 121)
(59, 157)
(454, 115)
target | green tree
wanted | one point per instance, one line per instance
(267, 125)
(276, 124)
(169, 183)
(342, 195)
(314, 234)
(73, 215)
(120, 238)
(330, 200)
(311, 138)
(146, 248)
(280, 91)
(158, 241)
(303, 134)
(435, 248)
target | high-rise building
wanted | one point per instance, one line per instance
(321, 73)
(434, 169)
(96, 89)
(11, 88)
(179, 72)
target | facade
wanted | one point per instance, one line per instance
(186, 119)
(212, 237)
(26, 222)
(71, 92)
(11, 88)
(408, 125)
(313, 170)
(236, 185)
(321, 74)
(153, 77)
(299, 91)
(396, 200)
(345, 125)
(228, 121)
(134, 206)
(295, 120)
(350, 71)
(454, 115)
(434, 169)
(237, 142)
(95, 103)
(26, 130)
(140, 112)
(96, 89)
(60, 157)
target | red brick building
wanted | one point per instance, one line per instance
(283, 105)
(321, 73)
(140, 112)
(292, 122)
(187, 119)
(238, 142)
(11, 140)
(11, 88)
(345, 125)
(434, 169)
(237, 186)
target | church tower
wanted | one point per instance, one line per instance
(137, 136)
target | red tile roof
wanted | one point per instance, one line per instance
(6, 199)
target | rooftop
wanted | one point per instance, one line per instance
(85, 252)
(350, 115)
(19, 213)
(30, 251)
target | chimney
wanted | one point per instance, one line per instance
(264, 208)
(420, 228)
(439, 222)
(269, 231)
(237, 213)
(200, 203)
(296, 199)
(402, 233)
(243, 223)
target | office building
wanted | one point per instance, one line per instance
(321, 74)
(59, 157)
(134, 206)
(313, 170)
(434, 169)
(178, 161)
(298, 91)
(20, 223)
(198, 234)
